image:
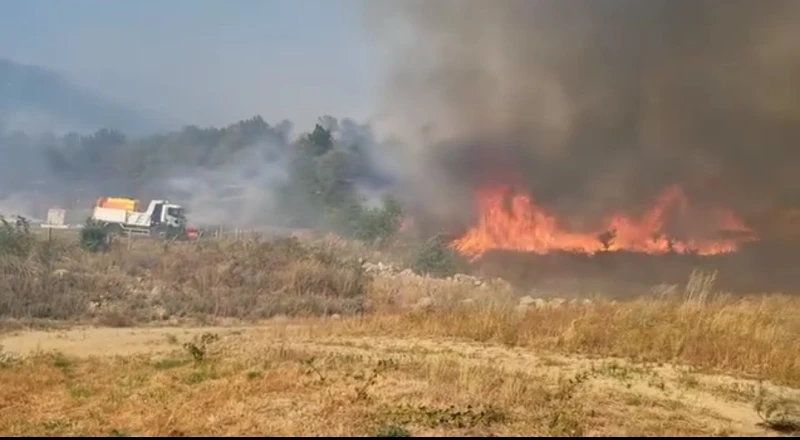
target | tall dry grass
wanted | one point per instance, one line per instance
(145, 281)
(756, 336)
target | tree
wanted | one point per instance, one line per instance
(607, 239)
(319, 141)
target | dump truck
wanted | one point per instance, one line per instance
(121, 216)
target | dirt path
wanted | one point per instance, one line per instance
(717, 399)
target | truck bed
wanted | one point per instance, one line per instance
(128, 218)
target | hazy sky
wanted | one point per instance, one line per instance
(206, 62)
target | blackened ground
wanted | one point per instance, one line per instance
(758, 267)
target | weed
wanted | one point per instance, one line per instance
(200, 376)
(778, 413)
(168, 364)
(197, 349)
(565, 411)
(687, 380)
(61, 362)
(79, 392)
(371, 379)
(312, 368)
(392, 431)
(448, 417)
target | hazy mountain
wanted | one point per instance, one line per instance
(36, 99)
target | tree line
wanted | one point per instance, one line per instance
(324, 172)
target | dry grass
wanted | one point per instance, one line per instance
(749, 337)
(298, 380)
(450, 368)
(157, 281)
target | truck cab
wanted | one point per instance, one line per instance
(166, 215)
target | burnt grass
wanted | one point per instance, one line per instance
(756, 268)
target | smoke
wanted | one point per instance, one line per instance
(595, 106)
(242, 192)
(239, 176)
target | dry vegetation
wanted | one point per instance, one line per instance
(356, 354)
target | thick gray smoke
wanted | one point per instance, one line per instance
(596, 105)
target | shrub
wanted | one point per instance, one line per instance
(15, 237)
(435, 258)
(379, 223)
(94, 237)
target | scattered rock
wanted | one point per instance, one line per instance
(529, 301)
(424, 303)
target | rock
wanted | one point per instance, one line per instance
(60, 272)
(468, 302)
(280, 318)
(336, 316)
(587, 302)
(529, 301)
(424, 303)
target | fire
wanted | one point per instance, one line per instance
(517, 223)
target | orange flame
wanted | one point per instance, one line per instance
(523, 226)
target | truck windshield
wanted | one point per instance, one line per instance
(175, 212)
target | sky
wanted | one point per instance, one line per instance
(204, 62)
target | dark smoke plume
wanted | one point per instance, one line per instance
(596, 105)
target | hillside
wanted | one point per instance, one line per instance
(37, 99)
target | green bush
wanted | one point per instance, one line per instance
(94, 237)
(379, 223)
(435, 258)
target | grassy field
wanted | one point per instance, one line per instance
(290, 338)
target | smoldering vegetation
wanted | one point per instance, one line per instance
(754, 268)
(594, 107)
